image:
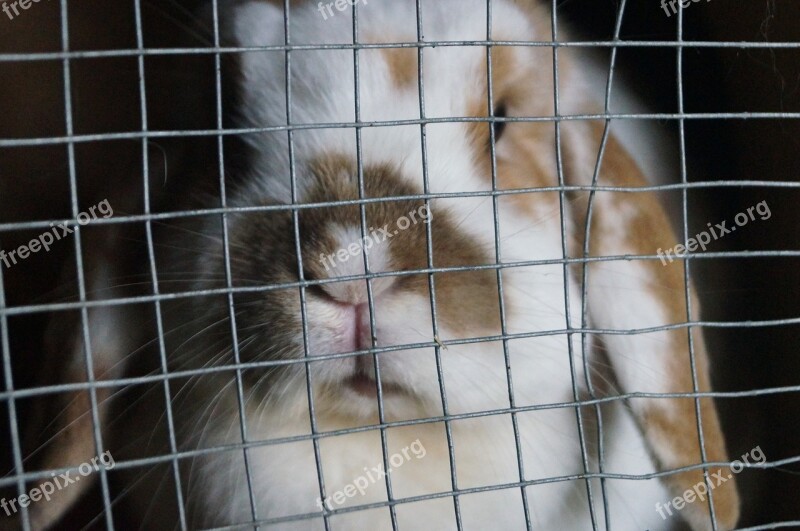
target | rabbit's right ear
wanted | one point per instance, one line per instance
(61, 431)
(631, 296)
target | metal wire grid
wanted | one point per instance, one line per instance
(11, 395)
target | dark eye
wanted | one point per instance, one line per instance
(499, 127)
(315, 289)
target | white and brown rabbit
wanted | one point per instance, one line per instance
(449, 372)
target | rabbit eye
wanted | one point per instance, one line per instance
(499, 127)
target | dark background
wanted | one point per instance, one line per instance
(34, 182)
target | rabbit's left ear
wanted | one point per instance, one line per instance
(630, 295)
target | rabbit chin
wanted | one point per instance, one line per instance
(362, 406)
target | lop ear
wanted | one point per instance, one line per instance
(638, 294)
(60, 431)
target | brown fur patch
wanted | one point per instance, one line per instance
(403, 66)
(402, 63)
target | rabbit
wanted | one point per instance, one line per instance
(463, 325)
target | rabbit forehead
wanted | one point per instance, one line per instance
(323, 84)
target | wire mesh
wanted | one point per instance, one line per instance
(70, 139)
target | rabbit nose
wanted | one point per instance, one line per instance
(362, 329)
(355, 292)
(356, 331)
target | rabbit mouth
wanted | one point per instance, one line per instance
(365, 385)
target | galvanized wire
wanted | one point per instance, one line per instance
(69, 140)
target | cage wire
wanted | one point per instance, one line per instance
(596, 497)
